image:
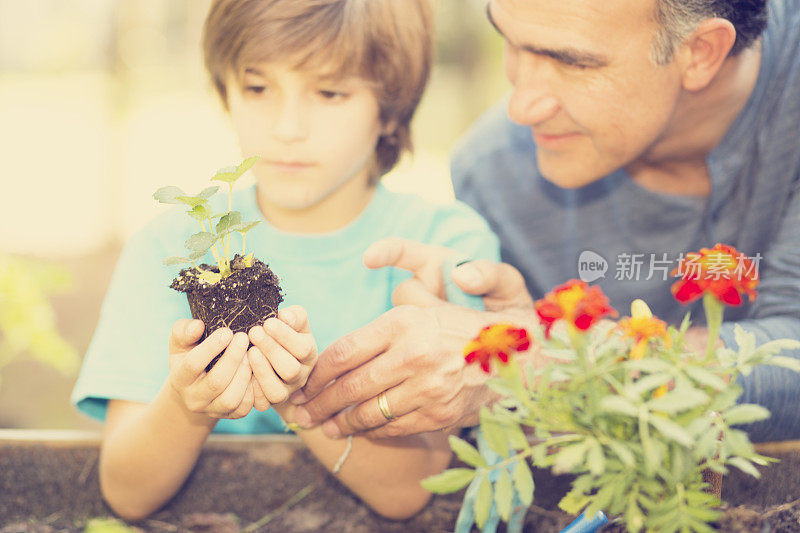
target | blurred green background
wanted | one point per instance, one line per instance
(103, 101)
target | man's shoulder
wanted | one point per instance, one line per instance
(493, 136)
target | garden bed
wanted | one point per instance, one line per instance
(49, 482)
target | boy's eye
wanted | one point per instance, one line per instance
(332, 95)
(255, 89)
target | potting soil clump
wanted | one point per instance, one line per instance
(245, 298)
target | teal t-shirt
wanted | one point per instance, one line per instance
(128, 357)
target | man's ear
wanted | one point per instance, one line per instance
(704, 52)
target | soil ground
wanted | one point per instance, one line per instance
(262, 485)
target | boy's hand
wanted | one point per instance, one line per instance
(283, 353)
(226, 391)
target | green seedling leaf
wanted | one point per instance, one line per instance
(228, 222)
(200, 242)
(199, 212)
(503, 495)
(248, 260)
(466, 452)
(226, 174)
(192, 201)
(745, 413)
(449, 480)
(210, 276)
(595, 459)
(168, 194)
(245, 227)
(247, 164)
(622, 451)
(175, 260)
(208, 192)
(569, 457)
(523, 481)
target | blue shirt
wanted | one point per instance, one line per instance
(754, 205)
(128, 356)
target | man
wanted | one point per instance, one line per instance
(639, 129)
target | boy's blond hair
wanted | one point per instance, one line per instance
(388, 42)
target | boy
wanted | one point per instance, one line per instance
(324, 92)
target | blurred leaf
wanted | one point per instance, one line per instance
(175, 260)
(107, 525)
(619, 405)
(208, 192)
(227, 222)
(671, 430)
(466, 452)
(745, 413)
(483, 502)
(745, 466)
(678, 400)
(569, 457)
(448, 481)
(705, 377)
(503, 495)
(523, 481)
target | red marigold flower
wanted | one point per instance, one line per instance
(722, 271)
(496, 341)
(577, 303)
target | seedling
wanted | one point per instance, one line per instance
(216, 228)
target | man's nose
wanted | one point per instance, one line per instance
(532, 101)
(291, 122)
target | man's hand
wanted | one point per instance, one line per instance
(501, 285)
(226, 390)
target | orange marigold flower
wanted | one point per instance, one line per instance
(722, 271)
(496, 341)
(577, 303)
(642, 326)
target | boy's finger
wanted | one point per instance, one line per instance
(296, 317)
(185, 334)
(285, 364)
(274, 389)
(260, 401)
(301, 346)
(231, 397)
(194, 364)
(218, 378)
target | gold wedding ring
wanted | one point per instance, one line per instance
(383, 405)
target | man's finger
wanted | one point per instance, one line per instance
(349, 352)
(500, 284)
(410, 424)
(404, 253)
(185, 334)
(361, 385)
(414, 292)
(368, 415)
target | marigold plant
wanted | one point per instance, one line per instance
(626, 407)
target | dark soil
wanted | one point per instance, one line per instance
(245, 298)
(267, 486)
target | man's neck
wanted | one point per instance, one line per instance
(676, 162)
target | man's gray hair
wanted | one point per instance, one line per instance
(677, 19)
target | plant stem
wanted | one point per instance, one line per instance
(714, 310)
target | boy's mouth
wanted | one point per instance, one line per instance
(290, 166)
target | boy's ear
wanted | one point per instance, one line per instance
(389, 128)
(705, 52)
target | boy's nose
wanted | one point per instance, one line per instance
(290, 123)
